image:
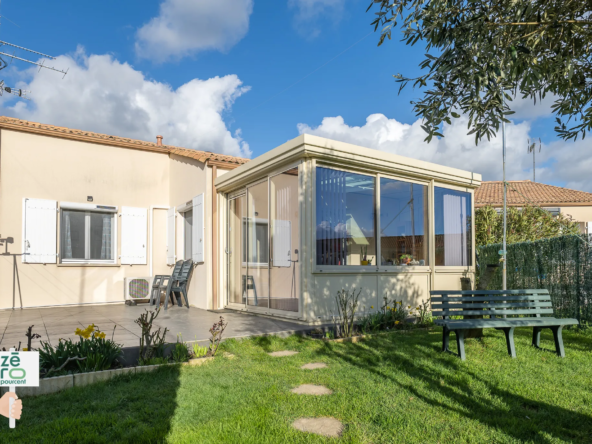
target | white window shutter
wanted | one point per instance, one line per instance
(171, 236)
(133, 235)
(197, 247)
(282, 243)
(40, 231)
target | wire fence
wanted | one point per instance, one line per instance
(562, 265)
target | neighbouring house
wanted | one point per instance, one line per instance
(557, 200)
(279, 234)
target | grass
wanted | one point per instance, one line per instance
(392, 388)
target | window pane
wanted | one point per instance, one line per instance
(101, 240)
(188, 221)
(453, 227)
(73, 241)
(403, 223)
(257, 279)
(345, 218)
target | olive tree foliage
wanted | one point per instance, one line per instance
(527, 224)
(482, 51)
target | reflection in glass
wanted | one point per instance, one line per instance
(256, 282)
(453, 227)
(403, 223)
(285, 230)
(345, 218)
(237, 291)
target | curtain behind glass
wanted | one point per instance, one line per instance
(67, 236)
(403, 223)
(345, 218)
(453, 227)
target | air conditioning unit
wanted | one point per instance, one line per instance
(137, 288)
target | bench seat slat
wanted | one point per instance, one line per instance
(486, 292)
(491, 312)
(464, 324)
(446, 305)
(490, 298)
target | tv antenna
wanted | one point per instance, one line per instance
(532, 149)
(3, 64)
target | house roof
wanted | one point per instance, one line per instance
(105, 139)
(523, 192)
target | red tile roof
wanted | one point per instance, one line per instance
(523, 192)
(105, 139)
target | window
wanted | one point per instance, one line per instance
(454, 243)
(256, 236)
(345, 219)
(87, 236)
(187, 233)
(403, 223)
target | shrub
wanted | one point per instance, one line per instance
(347, 305)
(151, 343)
(180, 352)
(216, 335)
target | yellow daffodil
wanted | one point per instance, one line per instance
(372, 306)
(396, 322)
(388, 308)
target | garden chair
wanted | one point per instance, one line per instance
(163, 282)
(180, 285)
(249, 284)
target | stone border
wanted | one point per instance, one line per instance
(59, 383)
(359, 338)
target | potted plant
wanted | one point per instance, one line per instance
(406, 259)
(364, 255)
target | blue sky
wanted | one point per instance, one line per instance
(213, 75)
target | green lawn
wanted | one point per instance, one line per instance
(394, 388)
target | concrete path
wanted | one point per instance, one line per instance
(193, 324)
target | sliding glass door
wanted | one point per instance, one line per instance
(285, 230)
(237, 273)
(256, 237)
(263, 243)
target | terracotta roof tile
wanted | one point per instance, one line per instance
(88, 136)
(522, 192)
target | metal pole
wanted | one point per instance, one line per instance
(504, 255)
(533, 166)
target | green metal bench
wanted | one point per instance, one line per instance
(507, 309)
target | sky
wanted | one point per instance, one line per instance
(241, 77)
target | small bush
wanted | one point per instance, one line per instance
(198, 351)
(180, 352)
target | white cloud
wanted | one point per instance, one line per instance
(103, 95)
(308, 13)
(560, 162)
(185, 27)
(527, 109)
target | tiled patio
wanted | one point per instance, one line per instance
(193, 324)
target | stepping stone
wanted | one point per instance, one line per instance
(310, 389)
(228, 355)
(329, 427)
(283, 353)
(314, 366)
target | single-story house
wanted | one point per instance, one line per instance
(557, 200)
(278, 235)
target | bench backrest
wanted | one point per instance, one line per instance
(494, 303)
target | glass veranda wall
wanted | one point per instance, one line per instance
(378, 221)
(263, 245)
